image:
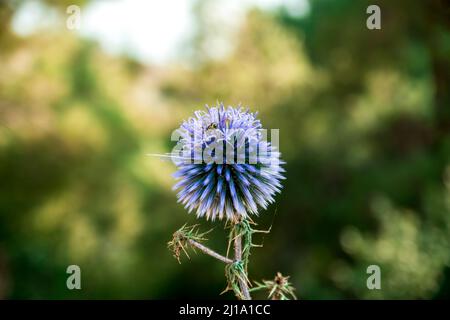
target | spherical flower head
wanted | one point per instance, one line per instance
(226, 167)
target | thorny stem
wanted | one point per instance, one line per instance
(236, 269)
(210, 252)
(238, 257)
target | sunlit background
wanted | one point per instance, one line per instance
(364, 119)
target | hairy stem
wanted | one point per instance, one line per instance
(210, 252)
(238, 257)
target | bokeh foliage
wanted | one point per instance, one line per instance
(364, 127)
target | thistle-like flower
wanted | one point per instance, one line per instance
(227, 168)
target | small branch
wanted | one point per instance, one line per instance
(190, 236)
(238, 257)
(210, 252)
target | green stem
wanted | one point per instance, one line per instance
(238, 257)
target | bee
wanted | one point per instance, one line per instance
(213, 125)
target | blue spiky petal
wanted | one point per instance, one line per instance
(226, 187)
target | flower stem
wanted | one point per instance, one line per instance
(210, 252)
(238, 257)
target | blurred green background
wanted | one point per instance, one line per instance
(364, 119)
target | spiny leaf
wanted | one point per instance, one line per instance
(279, 289)
(181, 237)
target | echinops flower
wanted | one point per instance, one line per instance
(227, 169)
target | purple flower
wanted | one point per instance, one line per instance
(226, 166)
